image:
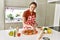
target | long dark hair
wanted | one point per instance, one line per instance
(34, 3)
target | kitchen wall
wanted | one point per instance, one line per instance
(18, 3)
(45, 11)
(1, 14)
(41, 11)
(50, 14)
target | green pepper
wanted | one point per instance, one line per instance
(45, 28)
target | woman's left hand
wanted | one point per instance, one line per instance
(35, 25)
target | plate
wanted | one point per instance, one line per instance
(29, 32)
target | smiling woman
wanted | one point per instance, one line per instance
(29, 17)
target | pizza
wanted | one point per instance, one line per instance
(29, 32)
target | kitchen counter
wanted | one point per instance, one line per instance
(4, 36)
(55, 35)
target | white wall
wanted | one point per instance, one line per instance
(57, 12)
(1, 14)
(40, 12)
(19, 3)
(45, 13)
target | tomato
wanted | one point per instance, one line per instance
(18, 34)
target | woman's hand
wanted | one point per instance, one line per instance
(35, 25)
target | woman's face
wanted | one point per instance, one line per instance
(32, 7)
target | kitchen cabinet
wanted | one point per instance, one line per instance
(53, 0)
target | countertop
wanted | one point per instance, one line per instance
(55, 35)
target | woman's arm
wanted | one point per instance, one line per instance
(24, 20)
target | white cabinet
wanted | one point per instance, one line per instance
(53, 0)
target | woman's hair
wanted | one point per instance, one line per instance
(34, 3)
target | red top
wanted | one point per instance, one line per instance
(30, 18)
(27, 13)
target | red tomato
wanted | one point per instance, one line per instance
(18, 34)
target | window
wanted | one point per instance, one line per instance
(13, 14)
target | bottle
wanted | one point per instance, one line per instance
(10, 28)
(17, 29)
(14, 33)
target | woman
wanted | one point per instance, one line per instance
(29, 17)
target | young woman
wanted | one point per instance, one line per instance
(29, 17)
